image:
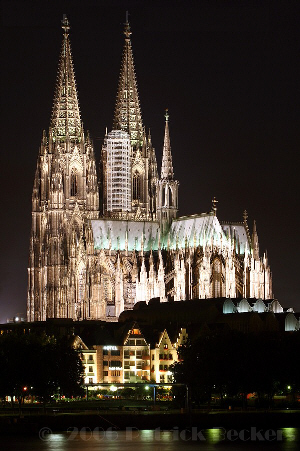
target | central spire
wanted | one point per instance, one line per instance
(65, 120)
(167, 165)
(128, 115)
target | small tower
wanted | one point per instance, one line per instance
(167, 187)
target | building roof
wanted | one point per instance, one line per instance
(237, 232)
(118, 234)
(196, 230)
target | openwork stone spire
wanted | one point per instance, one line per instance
(127, 111)
(255, 244)
(167, 165)
(65, 121)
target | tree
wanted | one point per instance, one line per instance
(236, 363)
(38, 365)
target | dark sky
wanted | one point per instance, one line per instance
(227, 70)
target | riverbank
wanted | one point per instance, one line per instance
(33, 424)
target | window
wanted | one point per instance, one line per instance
(126, 354)
(152, 356)
(90, 357)
(165, 346)
(116, 373)
(115, 352)
(90, 369)
(115, 364)
(105, 363)
(105, 352)
(136, 186)
(90, 380)
(105, 373)
(217, 279)
(74, 182)
(162, 378)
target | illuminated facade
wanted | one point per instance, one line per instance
(164, 354)
(133, 358)
(91, 259)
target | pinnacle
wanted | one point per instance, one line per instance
(167, 165)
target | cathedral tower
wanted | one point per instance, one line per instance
(167, 187)
(143, 166)
(65, 195)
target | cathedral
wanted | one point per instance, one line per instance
(103, 239)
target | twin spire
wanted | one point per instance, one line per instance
(65, 120)
(128, 115)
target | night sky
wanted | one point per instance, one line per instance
(228, 71)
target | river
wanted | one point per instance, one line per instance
(285, 439)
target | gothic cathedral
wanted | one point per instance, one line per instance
(91, 256)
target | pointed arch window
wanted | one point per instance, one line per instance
(136, 188)
(74, 183)
(217, 279)
(81, 285)
(170, 197)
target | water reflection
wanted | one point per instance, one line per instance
(287, 439)
(290, 434)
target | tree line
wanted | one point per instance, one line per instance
(234, 364)
(39, 366)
